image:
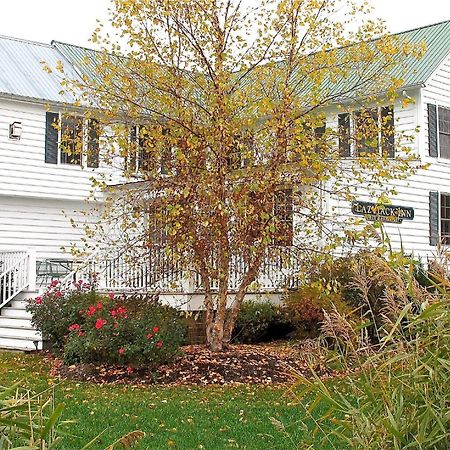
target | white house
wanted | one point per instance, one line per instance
(38, 181)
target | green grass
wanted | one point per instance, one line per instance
(172, 417)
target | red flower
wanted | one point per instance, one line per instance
(54, 283)
(81, 333)
(155, 329)
(74, 327)
(111, 295)
(58, 294)
(38, 300)
(91, 310)
(159, 344)
(99, 306)
(99, 323)
(121, 351)
(129, 370)
(149, 335)
(114, 313)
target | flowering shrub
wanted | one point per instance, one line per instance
(55, 311)
(132, 332)
(89, 327)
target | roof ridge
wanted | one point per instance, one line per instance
(55, 42)
(26, 41)
(422, 27)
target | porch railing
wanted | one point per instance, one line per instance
(17, 272)
(154, 270)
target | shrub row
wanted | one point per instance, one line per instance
(92, 328)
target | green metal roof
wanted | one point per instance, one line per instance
(436, 37)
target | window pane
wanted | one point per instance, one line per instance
(444, 145)
(71, 139)
(366, 131)
(445, 218)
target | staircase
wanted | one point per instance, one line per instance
(17, 285)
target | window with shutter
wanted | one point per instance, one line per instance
(372, 130)
(445, 218)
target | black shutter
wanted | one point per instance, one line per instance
(432, 131)
(388, 131)
(51, 138)
(344, 134)
(93, 147)
(434, 218)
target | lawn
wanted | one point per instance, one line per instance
(171, 417)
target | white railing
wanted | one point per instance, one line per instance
(17, 271)
(153, 270)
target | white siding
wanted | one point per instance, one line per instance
(39, 223)
(413, 236)
(23, 170)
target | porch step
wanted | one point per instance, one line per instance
(16, 331)
(18, 343)
(13, 322)
(16, 313)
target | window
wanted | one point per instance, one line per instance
(140, 152)
(284, 217)
(71, 140)
(445, 218)
(368, 131)
(444, 132)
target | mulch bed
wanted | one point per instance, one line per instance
(239, 364)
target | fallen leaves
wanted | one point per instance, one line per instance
(239, 364)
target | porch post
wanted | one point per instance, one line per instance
(31, 269)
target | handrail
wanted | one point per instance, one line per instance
(14, 280)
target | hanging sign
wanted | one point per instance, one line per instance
(382, 213)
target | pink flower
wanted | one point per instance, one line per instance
(100, 323)
(155, 329)
(111, 295)
(91, 310)
(54, 283)
(38, 300)
(81, 333)
(113, 313)
(149, 335)
(99, 305)
(58, 294)
(74, 327)
(159, 344)
(121, 351)
(129, 370)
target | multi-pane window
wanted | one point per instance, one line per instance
(444, 132)
(368, 131)
(445, 218)
(284, 217)
(71, 140)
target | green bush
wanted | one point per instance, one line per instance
(92, 328)
(260, 322)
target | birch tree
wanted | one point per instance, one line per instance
(218, 117)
